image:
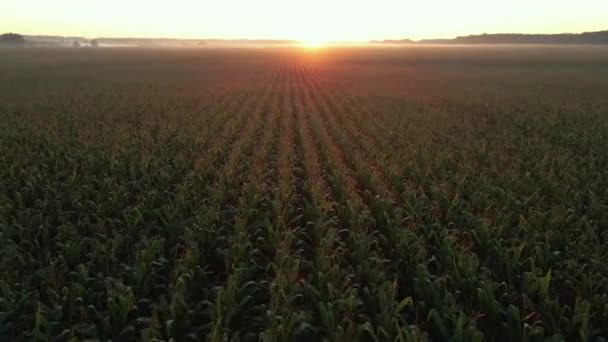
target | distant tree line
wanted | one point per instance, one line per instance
(15, 39)
(12, 39)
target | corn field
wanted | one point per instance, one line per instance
(286, 195)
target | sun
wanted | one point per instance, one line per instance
(311, 43)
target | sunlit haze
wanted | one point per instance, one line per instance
(310, 21)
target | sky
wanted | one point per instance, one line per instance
(308, 20)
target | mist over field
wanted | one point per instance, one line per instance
(585, 38)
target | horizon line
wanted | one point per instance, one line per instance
(300, 40)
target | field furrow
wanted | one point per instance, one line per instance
(368, 232)
(218, 267)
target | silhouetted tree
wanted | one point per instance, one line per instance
(12, 38)
(94, 43)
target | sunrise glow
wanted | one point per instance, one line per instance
(311, 43)
(314, 22)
